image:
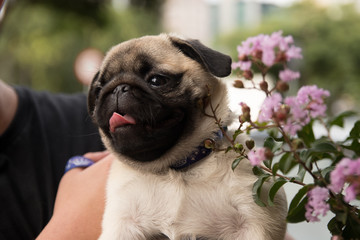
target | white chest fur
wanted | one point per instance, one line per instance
(210, 201)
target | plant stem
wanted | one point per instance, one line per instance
(282, 176)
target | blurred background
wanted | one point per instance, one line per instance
(41, 39)
(50, 44)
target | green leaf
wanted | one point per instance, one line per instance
(298, 213)
(298, 196)
(341, 217)
(274, 189)
(228, 149)
(324, 147)
(339, 120)
(335, 227)
(352, 228)
(286, 163)
(268, 163)
(355, 146)
(275, 168)
(326, 171)
(355, 131)
(272, 144)
(236, 162)
(258, 171)
(307, 134)
(301, 174)
(236, 134)
(256, 191)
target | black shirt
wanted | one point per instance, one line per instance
(47, 130)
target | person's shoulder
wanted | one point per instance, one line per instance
(44, 97)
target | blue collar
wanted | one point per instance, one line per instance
(200, 153)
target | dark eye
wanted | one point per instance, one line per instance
(158, 80)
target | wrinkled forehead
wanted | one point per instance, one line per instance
(143, 54)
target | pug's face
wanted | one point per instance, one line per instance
(145, 96)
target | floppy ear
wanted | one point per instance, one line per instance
(215, 62)
(92, 95)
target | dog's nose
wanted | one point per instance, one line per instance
(122, 88)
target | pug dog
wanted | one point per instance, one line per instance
(154, 100)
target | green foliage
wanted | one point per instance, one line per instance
(296, 212)
(39, 44)
(292, 150)
(329, 41)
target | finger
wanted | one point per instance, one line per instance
(99, 167)
(96, 156)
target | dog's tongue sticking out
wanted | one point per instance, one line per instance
(118, 120)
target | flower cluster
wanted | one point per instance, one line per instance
(257, 157)
(291, 142)
(347, 170)
(316, 204)
(292, 113)
(268, 50)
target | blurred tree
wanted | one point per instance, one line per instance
(149, 5)
(38, 43)
(86, 8)
(330, 41)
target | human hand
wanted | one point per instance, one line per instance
(80, 201)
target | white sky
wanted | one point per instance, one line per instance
(281, 2)
(277, 2)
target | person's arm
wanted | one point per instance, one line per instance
(8, 105)
(80, 202)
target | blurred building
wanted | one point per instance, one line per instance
(204, 19)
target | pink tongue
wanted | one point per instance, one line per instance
(118, 120)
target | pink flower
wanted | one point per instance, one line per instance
(268, 45)
(297, 118)
(291, 128)
(293, 53)
(347, 170)
(337, 176)
(268, 56)
(352, 191)
(243, 65)
(316, 204)
(287, 75)
(269, 107)
(313, 98)
(298, 113)
(266, 48)
(257, 157)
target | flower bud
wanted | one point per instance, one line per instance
(264, 86)
(282, 113)
(245, 117)
(268, 154)
(281, 57)
(243, 58)
(238, 84)
(282, 86)
(247, 74)
(209, 143)
(250, 144)
(245, 108)
(238, 147)
(258, 54)
(297, 143)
